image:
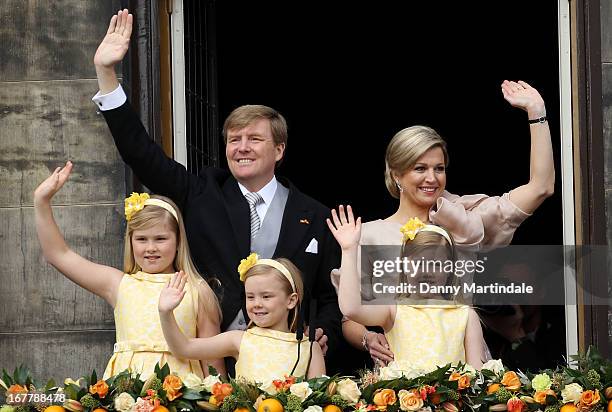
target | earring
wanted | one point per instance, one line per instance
(399, 187)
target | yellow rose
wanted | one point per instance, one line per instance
(410, 400)
(100, 388)
(172, 385)
(540, 396)
(348, 390)
(463, 380)
(589, 398)
(384, 397)
(511, 381)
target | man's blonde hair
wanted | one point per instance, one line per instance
(245, 115)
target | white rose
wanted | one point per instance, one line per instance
(469, 369)
(571, 393)
(412, 373)
(425, 409)
(209, 381)
(391, 371)
(193, 381)
(314, 408)
(268, 387)
(124, 402)
(301, 390)
(348, 390)
(494, 365)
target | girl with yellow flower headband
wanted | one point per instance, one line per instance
(269, 349)
(422, 334)
(155, 248)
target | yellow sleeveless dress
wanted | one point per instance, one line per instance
(427, 336)
(267, 354)
(140, 340)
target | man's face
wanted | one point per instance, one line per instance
(251, 154)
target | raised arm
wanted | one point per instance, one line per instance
(541, 167)
(214, 347)
(111, 51)
(347, 232)
(99, 279)
(474, 341)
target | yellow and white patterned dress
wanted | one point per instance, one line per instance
(426, 336)
(267, 354)
(140, 340)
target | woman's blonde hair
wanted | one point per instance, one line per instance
(296, 275)
(152, 215)
(405, 148)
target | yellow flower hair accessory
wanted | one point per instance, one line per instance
(246, 264)
(411, 228)
(135, 203)
(253, 260)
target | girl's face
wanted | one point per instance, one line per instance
(155, 248)
(431, 274)
(267, 303)
(424, 182)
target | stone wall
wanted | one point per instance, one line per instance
(47, 80)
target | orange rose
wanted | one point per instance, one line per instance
(172, 385)
(384, 397)
(540, 396)
(17, 389)
(221, 391)
(511, 381)
(463, 380)
(410, 401)
(100, 388)
(589, 398)
(515, 404)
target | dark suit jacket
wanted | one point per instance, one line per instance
(217, 221)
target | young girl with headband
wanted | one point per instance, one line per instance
(155, 248)
(268, 349)
(433, 332)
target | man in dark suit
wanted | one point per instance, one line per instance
(222, 225)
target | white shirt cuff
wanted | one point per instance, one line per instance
(110, 101)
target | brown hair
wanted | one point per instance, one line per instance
(405, 148)
(152, 215)
(244, 115)
(296, 275)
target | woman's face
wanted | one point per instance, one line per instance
(424, 182)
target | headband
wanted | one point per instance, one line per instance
(137, 201)
(415, 225)
(253, 260)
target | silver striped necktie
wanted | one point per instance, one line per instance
(254, 199)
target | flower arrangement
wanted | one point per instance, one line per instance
(583, 386)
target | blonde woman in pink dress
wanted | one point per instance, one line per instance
(416, 160)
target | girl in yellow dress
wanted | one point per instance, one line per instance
(268, 349)
(155, 248)
(434, 331)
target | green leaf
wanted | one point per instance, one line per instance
(165, 371)
(212, 370)
(192, 395)
(50, 384)
(94, 378)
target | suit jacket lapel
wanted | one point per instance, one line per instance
(296, 222)
(238, 211)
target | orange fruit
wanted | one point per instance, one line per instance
(270, 405)
(494, 388)
(609, 406)
(568, 407)
(160, 408)
(242, 409)
(55, 408)
(331, 408)
(99, 410)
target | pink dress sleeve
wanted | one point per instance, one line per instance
(478, 220)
